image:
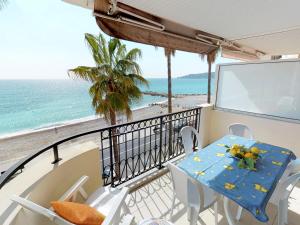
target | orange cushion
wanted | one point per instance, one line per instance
(77, 213)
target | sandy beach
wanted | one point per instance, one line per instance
(14, 147)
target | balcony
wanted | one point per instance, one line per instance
(144, 152)
(155, 199)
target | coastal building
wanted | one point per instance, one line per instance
(259, 97)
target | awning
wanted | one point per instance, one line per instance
(125, 22)
(251, 29)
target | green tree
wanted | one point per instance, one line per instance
(115, 79)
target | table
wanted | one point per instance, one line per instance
(213, 167)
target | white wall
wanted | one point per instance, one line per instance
(44, 182)
(214, 125)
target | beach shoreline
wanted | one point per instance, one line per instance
(16, 146)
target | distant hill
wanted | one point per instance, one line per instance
(197, 76)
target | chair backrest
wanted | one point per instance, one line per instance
(52, 216)
(187, 133)
(287, 186)
(241, 130)
(184, 186)
(71, 194)
(294, 166)
(113, 216)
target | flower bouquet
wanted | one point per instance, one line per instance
(247, 156)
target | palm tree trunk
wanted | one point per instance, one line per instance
(169, 84)
(209, 82)
(170, 102)
(113, 120)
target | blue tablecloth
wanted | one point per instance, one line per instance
(252, 190)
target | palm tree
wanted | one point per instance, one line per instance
(169, 53)
(210, 58)
(115, 79)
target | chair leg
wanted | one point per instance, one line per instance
(280, 213)
(172, 208)
(194, 216)
(216, 212)
(126, 209)
(239, 213)
(286, 210)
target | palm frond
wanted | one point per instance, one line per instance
(134, 54)
(138, 79)
(84, 72)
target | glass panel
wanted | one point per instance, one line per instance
(270, 88)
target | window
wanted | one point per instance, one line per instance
(268, 88)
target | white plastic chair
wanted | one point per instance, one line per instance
(241, 130)
(192, 194)
(283, 190)
(187, 134)
(106, 200)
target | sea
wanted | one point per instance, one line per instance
(36, 104)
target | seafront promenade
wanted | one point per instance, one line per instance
(16, 146)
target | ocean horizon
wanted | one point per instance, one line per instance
(27, 105)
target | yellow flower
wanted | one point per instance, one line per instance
(236, 147)
(255, 150)
(229, 186)
(249, 155)
(233, 152)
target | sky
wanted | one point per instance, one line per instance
(42, 39)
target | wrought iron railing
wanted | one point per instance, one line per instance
(128, 149)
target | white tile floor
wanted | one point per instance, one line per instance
(154, 200)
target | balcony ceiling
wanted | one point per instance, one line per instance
(271, 26)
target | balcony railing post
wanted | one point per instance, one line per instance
(160, 142)
(111, 158)
(56, 156)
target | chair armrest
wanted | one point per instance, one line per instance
(71, 193)
(52, 216)
(114, 214)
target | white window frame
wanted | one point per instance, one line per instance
(260, 115)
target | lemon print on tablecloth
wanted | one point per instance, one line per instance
(277, 163)
(220, 154)
(259, 187)
(228, 167)
(263, 151)
(229, 186)
(197, 159)
(285, 152)
(201, 173)
(222, 145)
